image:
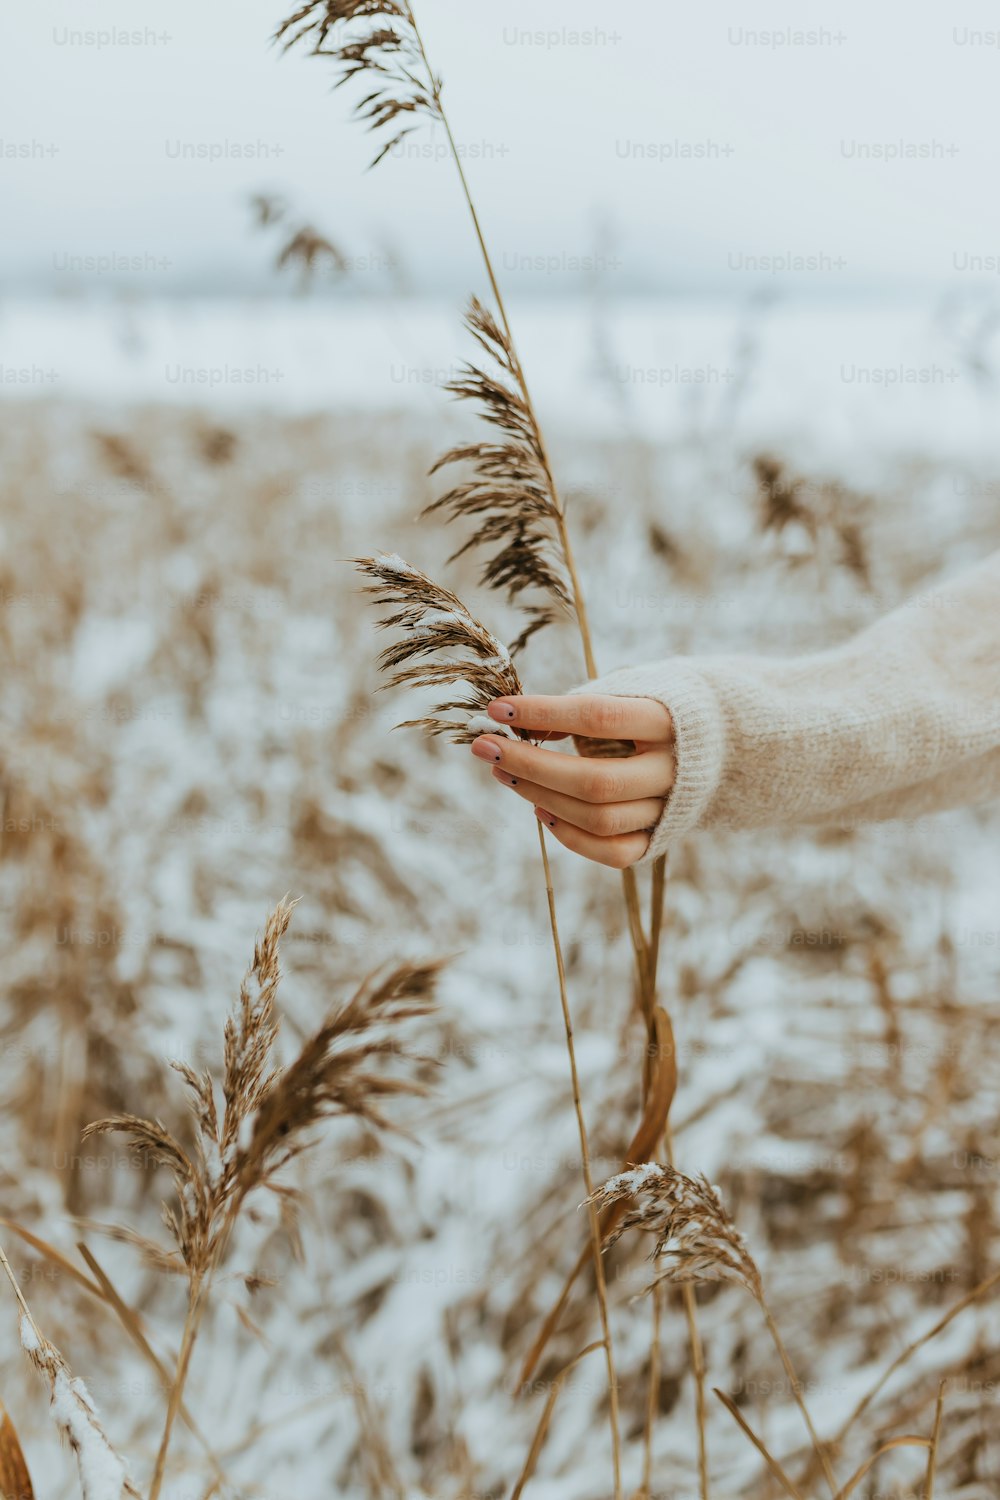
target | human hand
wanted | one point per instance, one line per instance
(599, 806)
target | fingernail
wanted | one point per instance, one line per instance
(504, 777)
(544, 817)
(501, 709)
(486, 749)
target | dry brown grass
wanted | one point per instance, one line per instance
(269, 1116)
(510, 502)
(888, 1015)
(441, 644)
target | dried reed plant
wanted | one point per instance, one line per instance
(104, 1474)
(301, 245)
(697, 1241)
(441, 645)
(695, 1238)
(381, 38)
(382, 41)
(509, 500)
(513, 497)
(268, 1117)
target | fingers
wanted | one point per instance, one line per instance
(605, 819)
(602, 809)
(594, 715)
(589, 779)
(617, 853)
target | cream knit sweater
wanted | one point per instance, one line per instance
(902, 720)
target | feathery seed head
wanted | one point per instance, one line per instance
(695, 1238)
(509, 499)
(441, 645)
(268, 1113)
(377, 37)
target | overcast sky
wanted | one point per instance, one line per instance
(685, 145)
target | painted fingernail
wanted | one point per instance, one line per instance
(544, 817)
(486, 749)
(501, 709)
(504, 777)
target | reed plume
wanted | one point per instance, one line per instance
(697, 1241)
(382, 40)
(268, 1117)
(509, 500)
(301, 244)
(695, 1238)
(104, 1474)
(441, 644)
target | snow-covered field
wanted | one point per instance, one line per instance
(190, 732)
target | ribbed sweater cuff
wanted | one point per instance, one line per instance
(699, 728)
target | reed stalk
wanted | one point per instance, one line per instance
(192, 1324)
(441, 645)
(595, 1231)
(405, 88)
(645, 953)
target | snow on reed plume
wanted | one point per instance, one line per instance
(103, 1473)
(695, 1238)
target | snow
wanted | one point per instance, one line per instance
(29, 1338)
(634, 1180)
(108, 651)
(393, 563)
(444, 617)
(483, 724)
(103, 1475)
(213, 1162)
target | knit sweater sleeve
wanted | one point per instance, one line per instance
(902, 720)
